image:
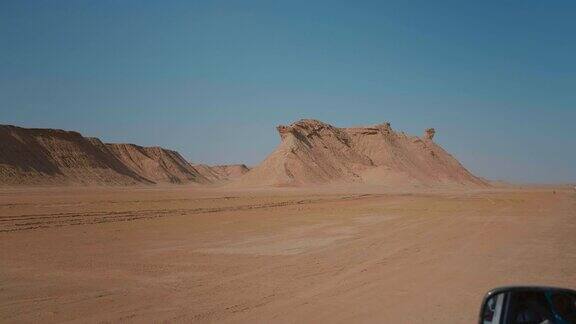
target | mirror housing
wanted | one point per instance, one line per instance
(528, 305)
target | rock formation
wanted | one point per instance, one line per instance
(55, 157)
(313, 152)
(48, 156)
(310, 152)
(429, 133)
(230, 171)
(156, 164)
(222, 173)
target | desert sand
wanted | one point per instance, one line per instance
(285, 255)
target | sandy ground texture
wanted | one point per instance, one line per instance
(183, 254)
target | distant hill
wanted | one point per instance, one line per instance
(313, 152)
(30, 156)
(156, 164)
(231, 171)
(310, 152)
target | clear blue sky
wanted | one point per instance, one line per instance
(211, 79)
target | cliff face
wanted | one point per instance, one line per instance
(48, 156)
(313, 152)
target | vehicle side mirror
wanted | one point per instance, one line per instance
(529, 305)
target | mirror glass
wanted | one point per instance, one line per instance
(529, 305)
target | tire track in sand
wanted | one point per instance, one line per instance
(49, 220)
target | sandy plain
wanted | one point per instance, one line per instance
(186, 254)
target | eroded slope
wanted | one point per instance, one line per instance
(313, 152)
